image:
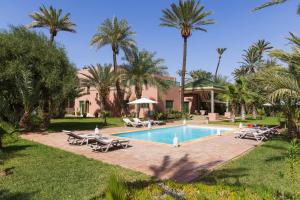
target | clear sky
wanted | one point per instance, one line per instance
(236, 28)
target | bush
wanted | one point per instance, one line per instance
(84, 115)
(116, 189)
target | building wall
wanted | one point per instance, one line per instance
(91, 96)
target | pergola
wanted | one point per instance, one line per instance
(204, 89)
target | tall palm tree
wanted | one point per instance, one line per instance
(117, 34)
(187, 16)
(101, 78)
(143, 70)
(53, 20)
(220, 52)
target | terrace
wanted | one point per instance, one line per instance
(163, 161)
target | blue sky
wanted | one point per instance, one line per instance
(236, 28)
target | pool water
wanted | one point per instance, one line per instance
(166, 135)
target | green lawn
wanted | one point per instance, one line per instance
(36, 171)
(39, 172)
(78, 123)
(260, 174)
(265, 121)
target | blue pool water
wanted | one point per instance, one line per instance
(166, 135)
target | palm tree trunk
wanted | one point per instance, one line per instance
(138, 94)
(120, 94)
(183, 73)
(243, 112)
(217, 69)
(254, 113)
(233, 110)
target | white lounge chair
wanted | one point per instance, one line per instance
(257, 134)
(138, 121)
(104, 145)
(128, 122)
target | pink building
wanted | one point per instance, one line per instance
(167, 100)
(199, 98)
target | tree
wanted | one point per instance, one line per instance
(143, 70)
(273, 3)
(282, 84)
(117, 34)
(243, 93)
(220, 52)
(48, 66)
(102, 78)
(231, 96)
(29, 92)
(51, 18)
(187, 16)
(200, 74)
(262, 46)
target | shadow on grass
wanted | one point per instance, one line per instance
(7, 195)
(12, 151)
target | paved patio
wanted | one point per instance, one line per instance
(182, 164)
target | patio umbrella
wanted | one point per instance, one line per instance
(142, 101)
(267, 104)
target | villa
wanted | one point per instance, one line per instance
(199, 98)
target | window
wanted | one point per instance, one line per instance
(145, 105)
(169, 104)
(88, 89)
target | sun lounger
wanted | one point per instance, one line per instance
(157, 122)
(138, 121)
(74, 138)
(81, 139)
(128, 122)
(257, 134)
(104, 145)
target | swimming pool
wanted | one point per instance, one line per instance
(166, 135)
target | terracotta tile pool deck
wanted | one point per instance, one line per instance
(163, 161)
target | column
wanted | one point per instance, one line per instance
(212, 101)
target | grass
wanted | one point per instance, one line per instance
(35, 171)
(260, 174)
(271, 121)
(77, 123)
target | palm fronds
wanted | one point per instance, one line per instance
(268, 4)
(116, 33)
(188, 15)
(52, 19)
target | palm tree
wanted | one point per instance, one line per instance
(220, 52)
(262, 46)
(52, 19)
(117, 34)
(29, 92)
(273, 3)
(143, 70)
(232, 97)
(187, 16)
(101, 78)
(283, 84)
(251, 60)
(243, 93)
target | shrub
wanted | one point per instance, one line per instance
(84, 115)
(116, 189)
